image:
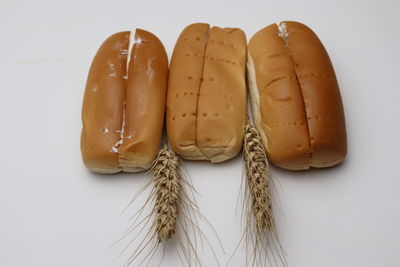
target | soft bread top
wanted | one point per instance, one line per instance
(295, 97)
(123, 107)
(206, 101)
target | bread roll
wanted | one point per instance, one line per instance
(206, 100)
(123, 107)
(295, 98)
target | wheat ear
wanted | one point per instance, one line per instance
(173, 216)
(261, 237)
(167, 181)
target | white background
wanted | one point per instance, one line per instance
(53, 212)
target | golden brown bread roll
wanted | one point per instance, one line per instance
(295, 98)
(123, 107)
(206, 100)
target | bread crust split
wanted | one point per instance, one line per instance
(296, 102)
(123, 107)
(206, 100)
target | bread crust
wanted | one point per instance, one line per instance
(123, 111)
(221, 109)
(183, 90)
(206, 102)
(296, 100)
(102, 109)
(145, 102)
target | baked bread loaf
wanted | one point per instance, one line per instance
(296, 103)
(206, 100)
(124, 102)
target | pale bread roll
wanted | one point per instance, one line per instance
(295, 98)
(206, 100)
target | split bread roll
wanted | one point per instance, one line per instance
(123, 106)
(206, 100)
(295, 98)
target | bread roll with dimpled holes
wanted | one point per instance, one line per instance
(295, 98)
(123, 106)
(206, 100)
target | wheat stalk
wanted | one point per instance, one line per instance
(258, 176)
(173, 216)
(260, 231)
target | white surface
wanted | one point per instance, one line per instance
(55, 213)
